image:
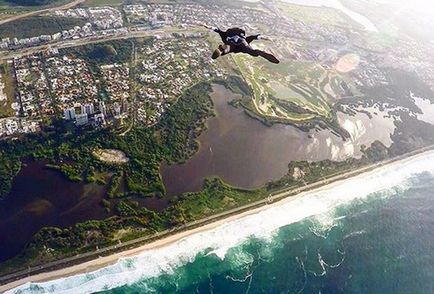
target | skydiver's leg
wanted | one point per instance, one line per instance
(255, 52)
(222, 50)
(225, 49)
(216, 54)
(270, 57)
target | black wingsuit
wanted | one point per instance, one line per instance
(235, 41)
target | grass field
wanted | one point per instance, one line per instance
(7, 81)
(9, 8)
(318, 15)
(7, 11)
(296, 91)
(93, 3)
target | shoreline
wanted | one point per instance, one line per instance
(166, 238)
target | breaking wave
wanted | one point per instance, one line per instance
(263, 225)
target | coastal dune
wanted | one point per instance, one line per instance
(165, 255)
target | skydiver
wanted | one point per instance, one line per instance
(235, 41)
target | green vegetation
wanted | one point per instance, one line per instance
(305, 88)
(38, 25)
(9, 168)
(114, 51)
(94, 3)
(9, 90)
(7, 9)
(237, 85)
(114, 186)
(184, 122)
(299, 93)
(69, 150)
(305, 172)
(106, 204)
(215, 197)
(32, 2)
(322, 15)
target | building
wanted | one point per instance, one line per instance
(99, 119)
(81, 119)
(69, 113)
(117, 109)
(102, 108)
(11, 127)
(124, 105)
(45, 38)
(56, 36)
(88, 109)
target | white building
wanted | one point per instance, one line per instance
(11, 126)
(81, 119)
(69, 113)
(117, 108)
(88, 109)
(103, 108)
(99, 119)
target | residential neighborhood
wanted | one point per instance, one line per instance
(166, 68)
(53, 84)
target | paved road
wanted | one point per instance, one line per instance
(36, 12)
(88, 40)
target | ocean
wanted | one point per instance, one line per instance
(370, 234)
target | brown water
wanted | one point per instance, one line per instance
(246, 153)
(41, 197)
(240, 150)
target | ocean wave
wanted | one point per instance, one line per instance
(165, 260)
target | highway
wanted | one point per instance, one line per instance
(88, 40)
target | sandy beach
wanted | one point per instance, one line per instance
(111, 259)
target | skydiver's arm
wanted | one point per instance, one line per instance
(257, 37)
(215, 29)
(261, 37)
(223, 34)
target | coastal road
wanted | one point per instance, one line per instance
(7, 280)
(36, 12)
